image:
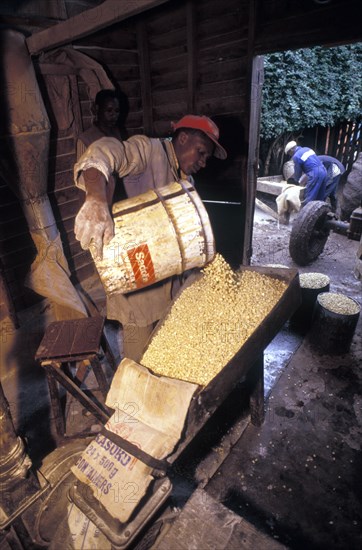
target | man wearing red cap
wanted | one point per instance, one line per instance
(143, 163)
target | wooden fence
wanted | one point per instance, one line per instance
(343, 141)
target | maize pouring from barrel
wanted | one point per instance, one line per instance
(210, 321)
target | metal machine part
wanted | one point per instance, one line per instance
(355, 228)
(18, 484)
(34, 499)
(120, 534)
(246, 365)
(312, 227)
(24, 139)
(42, 519)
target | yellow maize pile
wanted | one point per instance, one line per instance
(210, 321)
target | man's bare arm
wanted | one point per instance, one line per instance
(93, 224)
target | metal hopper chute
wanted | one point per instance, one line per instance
(24, 131)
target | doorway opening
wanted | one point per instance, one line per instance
(327, 133)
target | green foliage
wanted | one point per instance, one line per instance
(310, 87)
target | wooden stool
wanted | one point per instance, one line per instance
(77, 341)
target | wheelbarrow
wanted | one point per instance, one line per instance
(311, 229)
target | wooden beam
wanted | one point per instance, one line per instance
(265, 208)
(191, 56)
(254, 75)
(271, 187)
(87, 22)
(145, 75)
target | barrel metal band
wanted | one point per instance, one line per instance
(158, 199)
(141, 455)
(163, 202)
(187, 191)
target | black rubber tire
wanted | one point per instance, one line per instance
(309, 234)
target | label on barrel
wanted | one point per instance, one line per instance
(142, 265)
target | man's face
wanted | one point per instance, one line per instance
(193, 151)
(108, 112)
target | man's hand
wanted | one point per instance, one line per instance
(94, 226)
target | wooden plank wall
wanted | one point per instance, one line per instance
(116, 50)
(197, 55)
(292, 24)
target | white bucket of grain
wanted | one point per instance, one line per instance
(160, 233)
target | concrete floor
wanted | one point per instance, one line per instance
(298, 476)
(295, 480)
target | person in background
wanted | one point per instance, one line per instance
(109, 112)
(307, 162)
(144, 163)
(107, 120)
(335, 169)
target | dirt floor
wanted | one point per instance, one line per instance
(271, 246)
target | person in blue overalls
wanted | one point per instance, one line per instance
(335, 169)
(307, 162)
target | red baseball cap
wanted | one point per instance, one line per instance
(206, 125)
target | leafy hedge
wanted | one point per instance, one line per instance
(310, 87)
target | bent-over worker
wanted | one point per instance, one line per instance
(307, 162)
(144, 163)
(335, 169)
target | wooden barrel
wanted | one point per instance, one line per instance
(160, 233)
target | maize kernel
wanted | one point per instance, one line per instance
(313, 280)
(338, 303)
(209, 322)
